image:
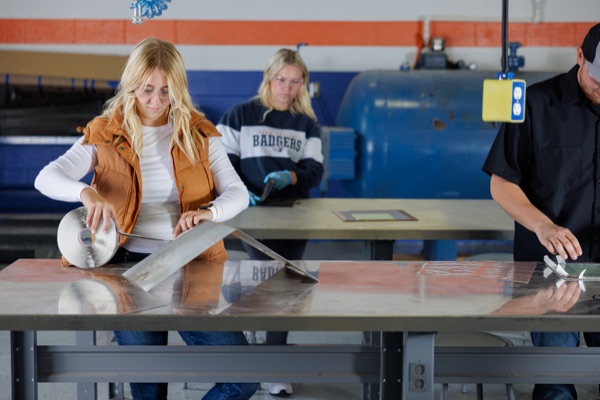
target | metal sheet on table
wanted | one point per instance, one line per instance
(173, 256)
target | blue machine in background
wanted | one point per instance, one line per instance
(419, 134)
(398, 134)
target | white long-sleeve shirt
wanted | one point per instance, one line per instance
(159, 212)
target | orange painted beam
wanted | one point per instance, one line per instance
(315, 33)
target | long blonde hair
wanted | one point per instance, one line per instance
(301, 104)
(147, 56)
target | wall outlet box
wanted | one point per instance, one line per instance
(503, 100)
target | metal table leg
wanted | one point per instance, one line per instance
(391, 369)
(23, 349)
(86, 390)
(380, 250)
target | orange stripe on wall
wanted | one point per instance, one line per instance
(315, 33)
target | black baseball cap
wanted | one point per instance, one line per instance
(591, 51)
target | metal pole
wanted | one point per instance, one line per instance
(504, 35)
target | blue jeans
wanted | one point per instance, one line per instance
(559, 339)
(158, 391)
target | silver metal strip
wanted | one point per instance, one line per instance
(175, 254)
(161, 264)
(258, 245)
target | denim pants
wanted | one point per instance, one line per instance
(559, 339)
(158, 391)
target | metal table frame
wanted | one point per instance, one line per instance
(405, 365)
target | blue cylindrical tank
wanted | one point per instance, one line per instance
(420, 133)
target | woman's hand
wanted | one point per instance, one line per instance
(281, 179)
(189, 219)
(98, 207)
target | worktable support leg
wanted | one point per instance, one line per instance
(23, 348)
(86, 390)
(371, 390)
(380, 250)
(391, 365)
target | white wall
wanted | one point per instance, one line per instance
(319, 58)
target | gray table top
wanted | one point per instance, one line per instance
(435, 220)
(38, 294)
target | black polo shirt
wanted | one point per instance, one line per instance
(553, 156)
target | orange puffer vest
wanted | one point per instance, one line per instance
(118, 179)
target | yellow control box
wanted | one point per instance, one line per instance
(503, 100)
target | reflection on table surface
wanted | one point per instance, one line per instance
(264, 289)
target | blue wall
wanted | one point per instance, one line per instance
(216, 91)
(213, 91)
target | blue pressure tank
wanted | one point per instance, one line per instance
(420, 133)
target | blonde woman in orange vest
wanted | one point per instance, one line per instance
(156, 160)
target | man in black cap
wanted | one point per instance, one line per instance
(545, 173)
